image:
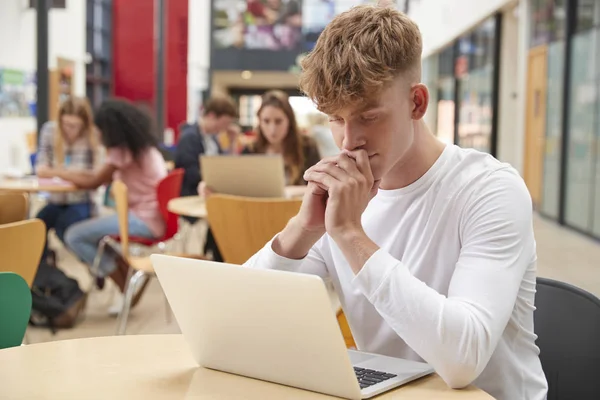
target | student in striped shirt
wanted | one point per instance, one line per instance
(71, 143)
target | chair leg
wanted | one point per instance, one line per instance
(132, 283)
(99, 253)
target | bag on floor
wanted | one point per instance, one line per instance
(57, 300)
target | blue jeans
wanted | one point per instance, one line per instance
(60, 217)
(83, 239)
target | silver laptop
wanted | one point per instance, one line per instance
(275, 326)
(246, 175)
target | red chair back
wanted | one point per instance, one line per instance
(167, 189)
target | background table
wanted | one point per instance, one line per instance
(154, 367)
(188, 206)
(33, 184)
(195, 206)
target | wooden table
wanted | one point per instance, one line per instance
(154, 367)
(195, 206)
(34, 184)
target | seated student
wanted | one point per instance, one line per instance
(70, 143)
(131, 156)
(278, 133)
(201, 138)
(429, 246)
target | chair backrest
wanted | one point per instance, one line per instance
(567, 322)
(243, 225)
(21, 246)
(169, 188)
(119, 192)
(15, 309)
(13, 207)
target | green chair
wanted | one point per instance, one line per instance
(15, 309)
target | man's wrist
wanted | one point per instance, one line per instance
(295, 241)
(347, 234)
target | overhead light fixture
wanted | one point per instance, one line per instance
(246, 74)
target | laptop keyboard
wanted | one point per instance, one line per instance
(370, 377)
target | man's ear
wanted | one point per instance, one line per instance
(420, 100)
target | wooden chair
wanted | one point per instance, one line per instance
(13, 207)
(15, 309)
(139, 267)
(21, 246)
(243, 225)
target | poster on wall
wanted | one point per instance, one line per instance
(17, 93)
(258, 24)
(270, 34)
(316, 14)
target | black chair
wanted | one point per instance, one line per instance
(567, 322)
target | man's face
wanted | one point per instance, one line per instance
(215, 125)
(383, 128)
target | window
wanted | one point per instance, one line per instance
(474, 70)
(547, 21)
(588, 15)
(445, 96)
(99, 50)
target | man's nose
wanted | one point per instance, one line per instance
(354, 138)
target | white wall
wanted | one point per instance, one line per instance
(18, 42)
(442, 21)
(66, 37)
(198, 53)
(509, 135)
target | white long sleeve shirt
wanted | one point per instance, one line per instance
(453, 282)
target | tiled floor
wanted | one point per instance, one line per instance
(563, 254)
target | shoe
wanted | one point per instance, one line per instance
(100, 283)
(117, 306)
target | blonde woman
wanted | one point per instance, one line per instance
(70, 143)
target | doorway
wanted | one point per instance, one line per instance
(535, 121)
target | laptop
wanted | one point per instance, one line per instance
(253, 175)
(275, 326)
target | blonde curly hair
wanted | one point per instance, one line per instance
(358, 54)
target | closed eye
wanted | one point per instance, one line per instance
(369, 119)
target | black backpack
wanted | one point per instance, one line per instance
(57, 300)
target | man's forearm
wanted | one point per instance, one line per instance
(294, 242)
(356, 247)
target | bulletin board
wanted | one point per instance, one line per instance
(17, 93)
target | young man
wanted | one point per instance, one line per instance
(430, 247)
(200, 138)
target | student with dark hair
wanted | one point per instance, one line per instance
(200, 138)
(128, 134)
